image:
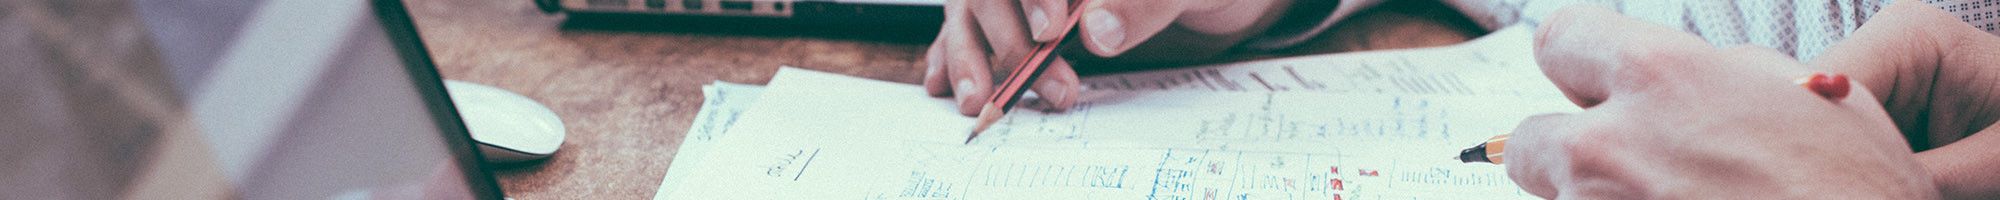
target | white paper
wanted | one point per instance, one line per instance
(722, 103)
(818, 135)
(1352, 126)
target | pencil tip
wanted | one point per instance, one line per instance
(987, 117)
(1474, 154)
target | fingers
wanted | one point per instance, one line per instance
(971, 79)
(1045, 17)
(1001, 23)
(976, 34)
(959, 60)
(935, 80)
(1576, 156)
(1058, 85)
(1526, 152)
(957, 26)
(1591, 54)
(1111, 28)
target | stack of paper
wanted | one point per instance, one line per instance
(1369, 125)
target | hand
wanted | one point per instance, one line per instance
(1938, 79)
(981, 36)
(1666, 115)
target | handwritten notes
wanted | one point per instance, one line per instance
(1375, 125)
(722, 103)
(1268, 121)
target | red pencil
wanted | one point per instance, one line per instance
(1017, 83)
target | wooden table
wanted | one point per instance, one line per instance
(627, 97)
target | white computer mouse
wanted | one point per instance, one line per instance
(508, 127)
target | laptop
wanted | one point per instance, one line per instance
(317, 99)
(905, 21)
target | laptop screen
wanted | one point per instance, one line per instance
(335, 100)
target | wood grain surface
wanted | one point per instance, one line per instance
(627, 97)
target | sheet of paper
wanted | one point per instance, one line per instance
(722, 103)
(805, 139)
(1432, 98)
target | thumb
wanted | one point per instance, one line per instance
(1112, 27)
(1530, 153)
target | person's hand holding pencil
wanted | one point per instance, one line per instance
(1670, 116)
(982, 36)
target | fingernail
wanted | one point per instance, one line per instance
(1038, 19)
(1105, 29)
(964, 87)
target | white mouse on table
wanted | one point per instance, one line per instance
(508, 127)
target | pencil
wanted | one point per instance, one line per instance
(1023, 77)
(1832, 86)
(1488, 152)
